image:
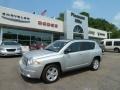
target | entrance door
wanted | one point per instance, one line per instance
(78, 32)
(77, 36)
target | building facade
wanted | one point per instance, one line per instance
(26, 28)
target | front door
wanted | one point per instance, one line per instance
(74, 57)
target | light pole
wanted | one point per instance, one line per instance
(109, 34)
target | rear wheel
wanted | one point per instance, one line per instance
(116, 50)
(95, 64)
(51, 73)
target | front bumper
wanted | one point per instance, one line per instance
(30, 71)
(5, 53)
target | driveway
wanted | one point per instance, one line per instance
(106, 78)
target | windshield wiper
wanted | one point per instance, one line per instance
(50, 50)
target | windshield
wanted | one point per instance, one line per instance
(9, 43)
(56, 46)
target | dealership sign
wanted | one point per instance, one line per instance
(75, 22)
(78, 18)
(16, 18)
(47, 24)
(101, 34)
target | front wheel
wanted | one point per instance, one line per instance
(51, 73)
(95, 64)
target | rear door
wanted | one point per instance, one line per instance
(87, 51)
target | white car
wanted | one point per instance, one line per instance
(10, 48)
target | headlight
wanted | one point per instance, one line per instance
(18, 48)
(2, 49)
(33, 62)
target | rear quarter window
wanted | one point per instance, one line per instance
(116, 43)
(87, 46)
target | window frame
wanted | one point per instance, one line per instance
(108, 42)
(79, 49)
(116, 43)
(102, 42)
(69, 47)
(88, 43)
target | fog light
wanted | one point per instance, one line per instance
(28, 75)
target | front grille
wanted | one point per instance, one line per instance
(24, 60)
(11, 50)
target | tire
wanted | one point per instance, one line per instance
(103, 50)
(116, 50)
(51, 73)
(95, 64)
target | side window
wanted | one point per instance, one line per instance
(102, 42)
(87, 46)
(91, 45)
(108, 43)
(74, 47)
(116, 43)
(2, 43)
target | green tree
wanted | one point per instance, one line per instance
(61, 17)
(85, 14)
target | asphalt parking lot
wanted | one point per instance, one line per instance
(106, 78)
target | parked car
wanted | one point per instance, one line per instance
(111, 45)
(9, 48)
(60, 56)
(37, 45)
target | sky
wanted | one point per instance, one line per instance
(105, 9)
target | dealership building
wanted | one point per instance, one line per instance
(27, 28)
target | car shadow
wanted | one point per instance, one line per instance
(111, 52)
(64, 75)
(31, 80)
(74, 72)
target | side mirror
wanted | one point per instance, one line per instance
(20, 44)
(67, 51)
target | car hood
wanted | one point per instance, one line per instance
(10, 46)
(35, 54)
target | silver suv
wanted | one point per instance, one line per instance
(8, 48)
(58, 57)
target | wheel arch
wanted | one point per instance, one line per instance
(54, 63)
(97, 57)
(116, 48)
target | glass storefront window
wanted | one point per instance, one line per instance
(58, 36)
(23, 37)
(24, 42)
(26, 37)
(9, 36)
